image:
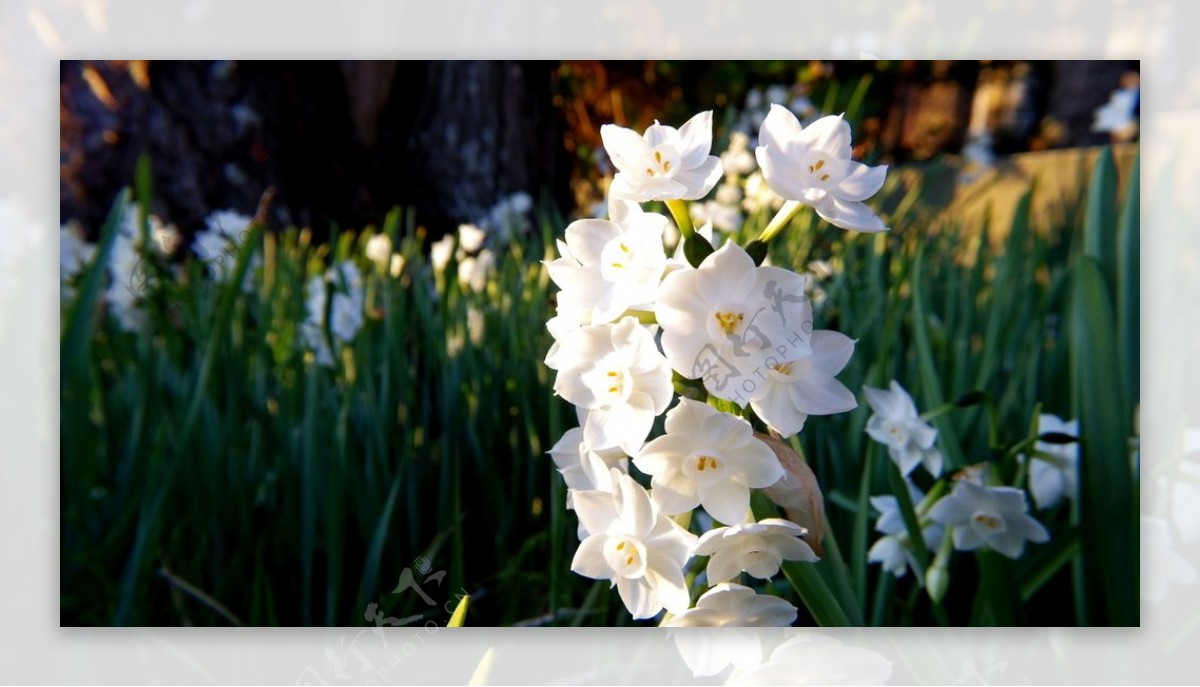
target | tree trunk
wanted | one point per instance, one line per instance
(341, 142)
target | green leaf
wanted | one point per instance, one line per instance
(1100, 219)
(1108, 506)
(931, 382)
(375, 552)
(1128, 284)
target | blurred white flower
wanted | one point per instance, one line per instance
(759, 194)
(733, 605)
(397, 265)
(710, 651)
(476, 325)
(707, 458)
(127, 278)
(508, 217)
(664, 163)
(994, 517)
(473, 271)
(471, 237)
(895, 424)
(215, 251)
(808, 658)
(1053, 473)
(635, 546)
(727, 320)
(74, 254)
(728, 194)
(228, 223)
(616, 372)
(440, 252)
(166, 237)
(379, 250)
(756, 548)
(894, 550)
(345, 283)
(727, 218)
(1118, 116)
(738, 158)
(812, 165)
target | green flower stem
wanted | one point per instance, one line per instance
(780, 220)
(682, 218)
(937, 412)
(913, 526)
(935, 494)
(804, 578)
(643, 316)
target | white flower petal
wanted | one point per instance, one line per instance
(700, 179)
(589, 558)
(595, 510)
(639, 597)
(830, 135)
(779, 128)
(696, 139)
(726, 501)
(951, 511)
(817, 393)
(624, 146)
(861, 181)
(849, 214)
(587, 238)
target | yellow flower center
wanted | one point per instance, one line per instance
(728, 321)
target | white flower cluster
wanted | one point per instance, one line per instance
(980, 514)
(629, 319)
(475, 263)
(338, 293)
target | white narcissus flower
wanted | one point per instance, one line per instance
(733, 605)
(635, 546)
(616, 372)
(379, 250)
(663, 163)
(228, 223)
(582, 468)
(397, 264)
(1054, 471)
(345, 311)
(803, 384)
(611, 266)
(471, 237)
(473, 271)
(994, 517)
(894, 551)
(707, 458)
(895, 424)
(728, 321)
(756, 548)
(440, 252)
(74, 254)
(812, 166)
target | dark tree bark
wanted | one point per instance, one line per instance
(341, 142)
